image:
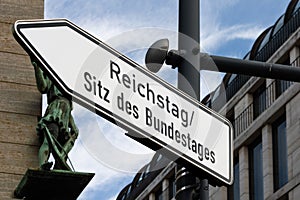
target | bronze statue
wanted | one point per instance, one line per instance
(56, 129)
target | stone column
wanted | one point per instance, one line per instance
(293, 136)
(165, 189)
(244, 173)
(294, 54)
(293, 142)
(267, 160)
(152, 196)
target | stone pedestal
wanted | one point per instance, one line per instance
(50, 185)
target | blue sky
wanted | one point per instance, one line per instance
(228, 28)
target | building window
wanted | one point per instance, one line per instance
(234, 190)
(280, 153)
(256, 170)
(265, 40)
(259, 100)
(159, 194)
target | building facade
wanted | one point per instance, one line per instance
(20, 101)
(265, 114)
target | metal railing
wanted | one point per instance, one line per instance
(236, 84)
(243, 121)
(230, 91)
(264, 100)
(279, 38)
(282, 86)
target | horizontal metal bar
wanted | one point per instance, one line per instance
(249, 67)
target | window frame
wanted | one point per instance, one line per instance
(277, 162)
(256, 181)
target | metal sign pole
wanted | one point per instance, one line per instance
(189, 82)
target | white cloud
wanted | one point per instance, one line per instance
(221, 35)
(214, 34)
(103, 149)
(108, 144)
(105, 19)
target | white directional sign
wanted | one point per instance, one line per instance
(100, 78)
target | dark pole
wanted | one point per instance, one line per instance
(189, 82)
(249, 67)
(188, 41)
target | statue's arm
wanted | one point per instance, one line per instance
(73, 127)
(41, 80)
